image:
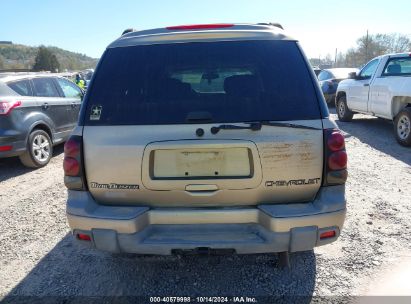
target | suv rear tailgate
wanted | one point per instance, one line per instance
(147, 104)
(275, 164)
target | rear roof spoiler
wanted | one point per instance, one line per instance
(202, 32)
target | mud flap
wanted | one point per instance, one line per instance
(303, 238)
(106, 239)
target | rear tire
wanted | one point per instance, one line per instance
(39, 150)
(343, 112)
(402, 127)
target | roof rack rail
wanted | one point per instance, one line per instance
(276, 24)
(15, 70)
(126, 31)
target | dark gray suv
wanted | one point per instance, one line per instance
(37, 111)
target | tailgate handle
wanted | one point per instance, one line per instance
(201, 188)
(199, 117)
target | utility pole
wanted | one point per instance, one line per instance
(366, 47)
(335, 58)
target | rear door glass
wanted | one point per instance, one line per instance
(232, 81)
(22, 87)
(44, 87)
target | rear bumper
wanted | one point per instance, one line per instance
(18, 146)
(259, 229)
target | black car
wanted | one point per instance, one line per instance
(36, 113)
(329, 80)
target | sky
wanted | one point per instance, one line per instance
(88, 26)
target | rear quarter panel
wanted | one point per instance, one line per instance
(15, 123)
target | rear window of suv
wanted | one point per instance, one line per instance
(236, 81)
(22, 87)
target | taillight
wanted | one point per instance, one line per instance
(335, 158)
(199, 26)
(327, 234)
(72, 163)
(5, 148)
(7, 106)
(83, 237)
(335, 141)
(71, 166)
(72, 147)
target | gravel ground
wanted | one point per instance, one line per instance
(38, 257)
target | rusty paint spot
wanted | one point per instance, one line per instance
(307, 156)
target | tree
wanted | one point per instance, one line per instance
(1, 62)
(16, 65)
(321, 62)
(46, 61)
(394, 43)
(370, 46)
(54, 64)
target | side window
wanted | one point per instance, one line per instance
(44, 87)
(69, 89)
(21, 87)
(369, 69)
(398, 67)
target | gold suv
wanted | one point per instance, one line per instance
(203, 138)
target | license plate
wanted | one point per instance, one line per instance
(201, 163)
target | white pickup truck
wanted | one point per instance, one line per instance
(381, 88)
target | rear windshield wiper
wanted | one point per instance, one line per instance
(256, 126)
(287, 125)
